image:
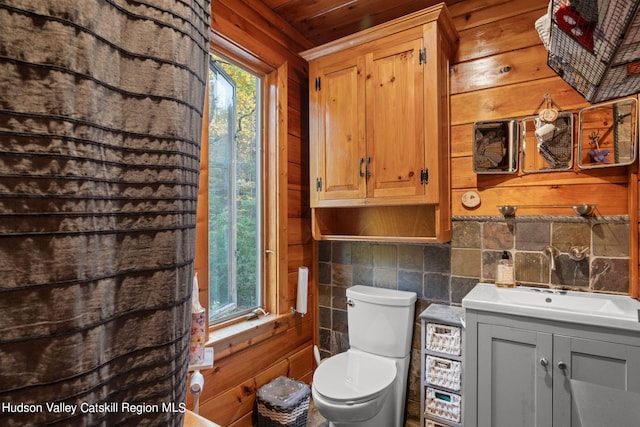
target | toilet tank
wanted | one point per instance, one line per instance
(380, 320)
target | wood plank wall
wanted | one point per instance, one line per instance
(243, 365)
(501, 72)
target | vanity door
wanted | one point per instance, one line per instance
(609, 364)
(514, 377)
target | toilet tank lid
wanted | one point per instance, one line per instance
(381, 296)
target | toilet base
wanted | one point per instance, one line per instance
(383, 419)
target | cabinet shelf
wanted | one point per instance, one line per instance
(407, 224)
(447, 356)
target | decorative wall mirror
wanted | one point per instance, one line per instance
(495, 146)
(608, 134)
(547, 145)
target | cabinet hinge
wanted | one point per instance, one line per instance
(317, 83)
(424, 176)
(423, 56)
(318, 184)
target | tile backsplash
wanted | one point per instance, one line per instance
(445, 273)
(592, 254)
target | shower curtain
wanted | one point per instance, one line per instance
(100, 121)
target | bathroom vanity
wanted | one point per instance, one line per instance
(526, 348)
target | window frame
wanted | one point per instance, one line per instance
(260, 192)
(274, 207)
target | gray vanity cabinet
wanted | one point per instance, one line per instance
(518, 369)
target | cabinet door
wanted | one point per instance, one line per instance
(514, 377)
(339, 151)
(395, 120)
(602, 363)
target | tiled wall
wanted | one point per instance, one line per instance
(444, 273)
(603, 242)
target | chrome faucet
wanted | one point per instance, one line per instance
(553, 253)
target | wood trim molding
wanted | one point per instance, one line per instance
(382, 30)
(201, 261)
(634, 290)
(276, 244)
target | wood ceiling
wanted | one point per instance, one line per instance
(321, 21)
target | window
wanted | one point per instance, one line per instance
(235, 223)
(242, 215)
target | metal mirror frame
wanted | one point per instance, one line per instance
(495, 147)
(600, 147)
(553, 150)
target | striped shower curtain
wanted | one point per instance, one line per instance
(100, 121)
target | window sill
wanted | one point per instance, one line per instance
(231, 339)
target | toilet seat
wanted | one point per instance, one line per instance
(354, 377)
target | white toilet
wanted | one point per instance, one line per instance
(366, 385)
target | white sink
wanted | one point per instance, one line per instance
(570, 306)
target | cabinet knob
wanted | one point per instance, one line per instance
(544, 362)
(562, 365)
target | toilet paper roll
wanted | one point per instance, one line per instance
(303, 288)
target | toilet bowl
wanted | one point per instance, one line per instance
(353, 387)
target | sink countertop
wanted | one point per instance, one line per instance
(616, 311)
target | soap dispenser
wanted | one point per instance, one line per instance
(504, 273)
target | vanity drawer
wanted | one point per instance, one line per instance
(444, 372)
(431, 423)
(443, 339)
(443, 405)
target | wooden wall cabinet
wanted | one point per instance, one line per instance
(379, 131)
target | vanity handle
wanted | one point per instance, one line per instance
(360, 167)
(562, 365)
(544, 362)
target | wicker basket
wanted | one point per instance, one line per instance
(283, 403)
